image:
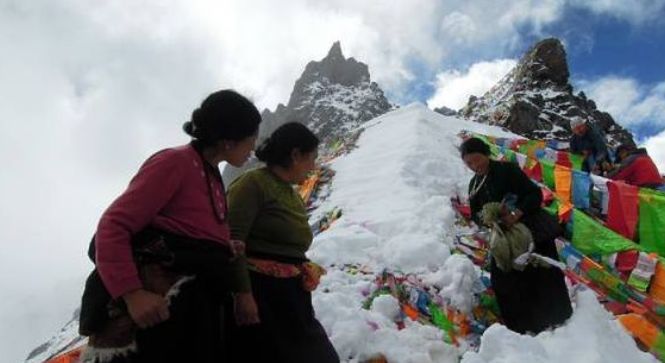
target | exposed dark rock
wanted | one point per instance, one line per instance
(446, 111)
(535, 99)
(332, 97)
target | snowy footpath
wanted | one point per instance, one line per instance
(394, 191)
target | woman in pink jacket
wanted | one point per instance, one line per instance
(163, 251)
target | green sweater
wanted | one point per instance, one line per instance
(269, 216)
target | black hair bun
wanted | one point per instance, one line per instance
(188, 127)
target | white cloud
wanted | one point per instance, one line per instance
(89, 89)
(656, 148)
(629, 102)
(632, 104)
(453, 88)
(635, 12)
(460, 28)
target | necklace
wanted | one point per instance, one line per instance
(475, 188)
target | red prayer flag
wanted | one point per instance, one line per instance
(563, 159)
(623, 208)
(536, 172)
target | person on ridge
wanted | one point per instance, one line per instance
(163, 250)
(636, 167)
(535, 298)
(589, 142)
(268, 214)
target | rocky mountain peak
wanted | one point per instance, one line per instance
(335, 69)
(545, 62)
(536, 100)
(335, 51)
(331, 96)
(446, 111)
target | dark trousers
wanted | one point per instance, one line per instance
(531, 300)
(193, 333)
(537, 298)
(288, 332)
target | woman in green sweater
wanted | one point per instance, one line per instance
(266, 212)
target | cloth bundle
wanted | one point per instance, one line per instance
(511, 246)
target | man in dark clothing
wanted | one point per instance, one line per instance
(588, 140)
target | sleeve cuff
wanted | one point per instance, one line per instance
(120, 287)
(238, 276)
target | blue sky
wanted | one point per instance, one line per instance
(597, 46)
(617, 47)
(89, 89)
(615, 55)
(620, 49)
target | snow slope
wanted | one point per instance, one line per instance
(394, 191)
(66, 339)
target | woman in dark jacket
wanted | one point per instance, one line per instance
(536, 298)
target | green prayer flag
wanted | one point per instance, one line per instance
(440, 319)
(494, 150)
(591, 237)
(523, 149)
(639, 282)
(652, 221)
(659, 345)
(510, 156)
(553, 208)
(482, 137)
(548, 173)
(576, 160)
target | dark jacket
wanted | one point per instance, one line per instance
(505, 178)
(537, 298)
(593, 142)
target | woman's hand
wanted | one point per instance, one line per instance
(246, 311)
(237, 247)
(146, 308)
(512, 217)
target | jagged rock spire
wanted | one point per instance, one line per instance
(335, 68)
(545, 61)
(535, 99)
(332, 97)
(335, 51)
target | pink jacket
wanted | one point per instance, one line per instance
(175, 190)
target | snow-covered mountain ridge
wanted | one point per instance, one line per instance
(331, 97)
(536, 100)
(394, 190)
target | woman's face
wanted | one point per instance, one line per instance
(477, 162)
(302, 164)
(238, 152)
(579, 130)
(623, 154)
